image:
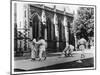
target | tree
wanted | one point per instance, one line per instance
(84, 22)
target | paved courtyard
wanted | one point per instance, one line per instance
(27, 64)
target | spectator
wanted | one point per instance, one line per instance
(82, 46)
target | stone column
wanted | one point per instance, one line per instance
(30, 33)
(43, 16)
(66, 28)
(29, 27)
(26, 25)
(15, 29)
(56, 28)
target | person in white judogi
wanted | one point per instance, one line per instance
(71, 49)
(68, 50)
(82, 45)
(42, 47)
(33, 50)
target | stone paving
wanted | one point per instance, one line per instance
(27, 64)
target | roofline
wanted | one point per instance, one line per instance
(52, 10)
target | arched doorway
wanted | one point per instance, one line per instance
(62, 42)
(36, 26)
(49, 30)
(51, 42)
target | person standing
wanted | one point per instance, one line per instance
(42, 47)
(33, 50)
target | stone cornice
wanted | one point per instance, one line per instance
(52, 10)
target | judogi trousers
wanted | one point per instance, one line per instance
(41, 50)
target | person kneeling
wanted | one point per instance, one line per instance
(68, 51)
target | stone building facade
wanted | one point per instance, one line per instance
(50, 23)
